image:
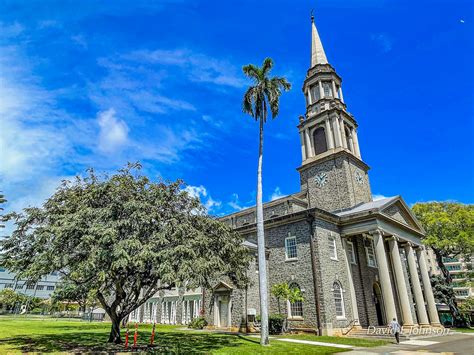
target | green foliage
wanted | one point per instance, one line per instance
(66, 291)
(123, 238)
(449, 227)
(275, 323)
(265, 91)
(283, 291)
(442, 290)
(467, 306)
(9, 298)
(2, 218)
(198, 323)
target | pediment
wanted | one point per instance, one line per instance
(399, 211)
(222, 286)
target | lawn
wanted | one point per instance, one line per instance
(463, 330)
(18, 335)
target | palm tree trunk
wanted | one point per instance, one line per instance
(262, 265)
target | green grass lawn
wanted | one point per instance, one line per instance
(464, 330)
(18, 335)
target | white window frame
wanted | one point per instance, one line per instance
(373, 254)
(341, 293)
(351, 251)
(288, 303)
(286, 248)
(332, 242)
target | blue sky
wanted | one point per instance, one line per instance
(99, 83)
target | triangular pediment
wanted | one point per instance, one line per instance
(222, 286)
(399, 211)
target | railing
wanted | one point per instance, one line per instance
(350, 326)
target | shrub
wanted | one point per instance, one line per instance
(275, 323)
(198, 323)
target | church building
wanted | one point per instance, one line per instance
(358, 262)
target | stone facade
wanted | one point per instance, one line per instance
(356, 261)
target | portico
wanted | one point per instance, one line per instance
(399, 260)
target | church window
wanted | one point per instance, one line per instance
(332, 248)
(295, 309)
(338, 300)
(319, 139)
(348, 139)
(369, 251)
(315, 93)
(290, 248)
(351, 252)
(327, 88)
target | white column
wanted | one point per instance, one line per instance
(343, 133)
(340, 94)
(329, 134)
(337, 132)
(310, 100)
(309, 148)
(355, 310)
(415, 281)
(384, 276)
(334, 92)
(427, 290)
(321, 91)
(351, 142)
(303, 147)
(356, 143)
(401, 284)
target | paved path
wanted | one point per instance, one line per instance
(456, 343)
(309, 342)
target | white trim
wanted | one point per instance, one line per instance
(341, 293)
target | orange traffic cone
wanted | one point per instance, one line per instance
(153, 334)
(135, 336)
(126, 338)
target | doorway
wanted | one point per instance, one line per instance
(378, 303)
(223, 311)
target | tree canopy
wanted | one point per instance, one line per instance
(123, 237)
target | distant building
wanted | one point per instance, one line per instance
(460, 269)
(41, 289)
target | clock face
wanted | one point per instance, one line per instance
(359, 178)
(321, 179)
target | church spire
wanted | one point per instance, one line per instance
(317, 51)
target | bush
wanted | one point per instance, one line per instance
(198, 323)
(275, 323)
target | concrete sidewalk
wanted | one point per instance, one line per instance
(454, 343)
(309, 342)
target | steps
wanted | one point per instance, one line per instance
(375, 333)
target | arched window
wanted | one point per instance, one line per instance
(338, 300)
(319, 139)
(296, 308)
(348, 139)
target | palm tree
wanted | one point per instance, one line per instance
(264, 92)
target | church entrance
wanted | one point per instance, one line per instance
(378, 303)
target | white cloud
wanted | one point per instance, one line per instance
(197, 66)
(376, 197)
(10, 30)
(201, 193)
(276, 194)
(113, 131)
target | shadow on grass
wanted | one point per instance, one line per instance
(169, 342)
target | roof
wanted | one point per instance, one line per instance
(377, 204)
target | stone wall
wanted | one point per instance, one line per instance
(341, 189)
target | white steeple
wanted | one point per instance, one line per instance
(317, 51)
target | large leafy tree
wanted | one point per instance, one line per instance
(123, 237)
(449, 230)
(263, 95)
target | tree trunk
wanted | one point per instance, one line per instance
(453, 306)
(114, 336)
(262, 267)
